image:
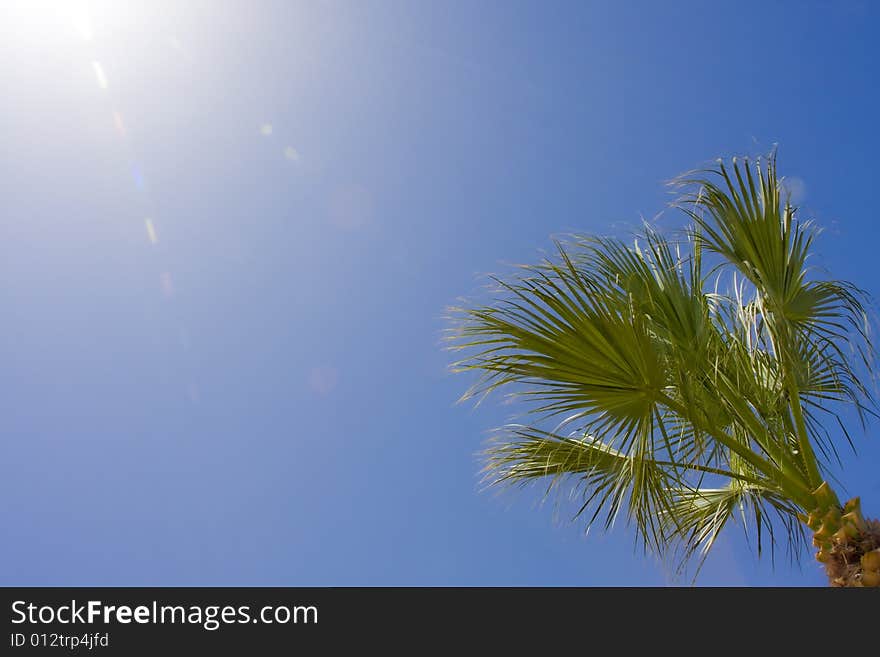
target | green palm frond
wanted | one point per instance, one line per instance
(612, 478)
(685, 378)
(553, 322)
(697, 516)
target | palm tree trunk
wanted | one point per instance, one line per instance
(849, 545)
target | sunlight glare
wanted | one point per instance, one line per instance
(118, 123)
(82, 23)
(50, 20)
(167, 284)
(99, 74)
(151, 231)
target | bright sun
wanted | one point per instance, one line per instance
(53, 20)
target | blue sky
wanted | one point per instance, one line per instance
(250, 389)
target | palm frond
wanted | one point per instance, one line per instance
(685, 378)
(697, 516)
(611, 479)
(579, 349)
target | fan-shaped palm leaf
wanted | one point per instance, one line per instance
(686, 377)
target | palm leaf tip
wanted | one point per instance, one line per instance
(608, 480)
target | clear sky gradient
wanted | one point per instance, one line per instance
(229, 231)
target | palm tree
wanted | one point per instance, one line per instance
(687, 381)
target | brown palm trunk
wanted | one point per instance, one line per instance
(849, 545)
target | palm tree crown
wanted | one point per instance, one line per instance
(685, 381)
